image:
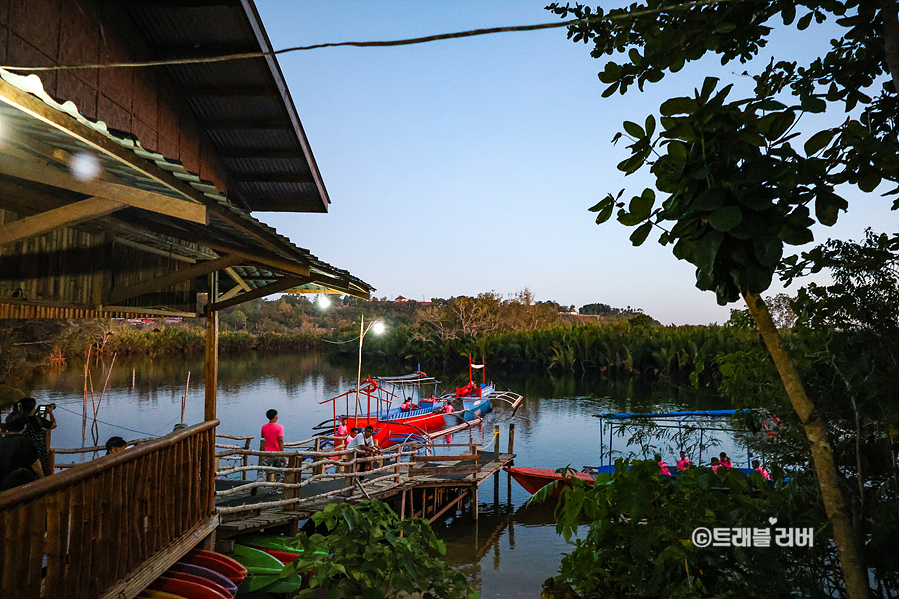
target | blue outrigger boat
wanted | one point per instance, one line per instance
(534, 479)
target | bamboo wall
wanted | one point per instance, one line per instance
(105, 522)
(78, 269)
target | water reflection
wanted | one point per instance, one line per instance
(508, 552)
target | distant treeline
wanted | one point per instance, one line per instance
(512, 333)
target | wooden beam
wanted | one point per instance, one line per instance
(65, 216)
(230, 293)
(172, 278)
(276, 287)
(237, 279)
(31, 168)
(152, 250)
(39, 109)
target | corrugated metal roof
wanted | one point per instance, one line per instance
(231, 225)
(183, 30)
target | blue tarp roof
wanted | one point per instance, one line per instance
(704, 413)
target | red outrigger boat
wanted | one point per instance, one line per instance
(392, 425)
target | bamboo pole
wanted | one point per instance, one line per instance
(184, 398)
(57, 533)
(73, 568)
(85, 547)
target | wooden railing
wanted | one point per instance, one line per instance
(244, 460)
(308, 463)
(106, 528)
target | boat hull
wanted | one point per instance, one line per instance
(534, 479)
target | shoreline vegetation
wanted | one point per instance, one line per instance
(515, 333)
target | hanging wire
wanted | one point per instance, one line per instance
(124, 428)
(378, 44)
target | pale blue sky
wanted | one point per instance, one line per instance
(464, 166)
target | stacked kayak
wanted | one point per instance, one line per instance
(264, 572)
(199, 575)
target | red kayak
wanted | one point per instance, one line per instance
(186, 588)
(231, 569)
(200, 581)
(534, 479)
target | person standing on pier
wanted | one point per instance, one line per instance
(272, 440)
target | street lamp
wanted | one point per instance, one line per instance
(378, 328)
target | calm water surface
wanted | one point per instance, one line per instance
(508, 552)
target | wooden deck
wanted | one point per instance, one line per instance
(453, 478)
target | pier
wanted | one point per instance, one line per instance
(415, 485)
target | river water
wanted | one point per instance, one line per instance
(508, 552)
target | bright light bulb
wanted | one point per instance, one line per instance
(378, 327)
(324, 302)
(84, 166)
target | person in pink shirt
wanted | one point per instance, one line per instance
(716, 465)
(272, 440)
(342, 430)
(758, 468)
(725, 461)
(683, 463)
(663, 467)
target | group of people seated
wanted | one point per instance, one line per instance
(719, 464)
(363, 441)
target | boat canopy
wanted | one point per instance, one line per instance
(703, 413)
(415, 377)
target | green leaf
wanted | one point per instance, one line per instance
(675, 106)
(804, 22)
(708, 86)
(650, 125)
(818, 141)
(827, 208)
(633, 129)
(725, 218)
(641, 233)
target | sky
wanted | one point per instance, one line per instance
(464, 166)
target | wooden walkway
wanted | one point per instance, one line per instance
(438, 486)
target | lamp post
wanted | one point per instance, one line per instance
(378, 327)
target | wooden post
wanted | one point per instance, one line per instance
(246, 460)
(495, 442)
(212, 362)
(317, 448)
(474, 502)
(292, 478)
(511, 437)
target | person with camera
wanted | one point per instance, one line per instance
(40, 420)
(19, 461)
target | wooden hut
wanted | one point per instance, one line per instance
(127, 191)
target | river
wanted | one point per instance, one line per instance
(508, 552)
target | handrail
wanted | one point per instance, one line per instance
(236, 437)
(74, 450)
(72, 476)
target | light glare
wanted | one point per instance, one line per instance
(84, 166)
(378, 327)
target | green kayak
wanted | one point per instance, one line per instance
(264, 572)
(275, 543)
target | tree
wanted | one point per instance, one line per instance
(370, 553)
(736, 189)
